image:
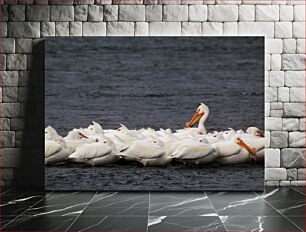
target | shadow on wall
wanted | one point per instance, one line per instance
(31, 174)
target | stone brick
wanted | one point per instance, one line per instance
(301, 173)
(290, 124)
(154, 13)
(270, 94)
(212, 29)
(17, 13)
(110, 12)
(5, 124)
(16, 62)
(272, 158)
(298, 30)
(141, 29)
(293, 158)
(150, 2)
(174, 2)
(62, 13)
(271, 183)
(12, 157)
(75, 29)
(272, 123)
(165, 29)
(302, 124)
(9, 78)
(18, 123)
(8, 45)
(297, 94)
(267, 61)
(9, 94)
(131, 13)
(275, 174)
(293, 61)
(283, 29)
(127, 2)
(268, 139)
(276, 106)
(273, 46)
(38, 13)
(267, 13)
(80, 12)
(3, 62)
(276, 113)
(223, 13)
(292, 174)
(194, 2)
(296, 139)
(284, 183)
(286, 13)
(300, 46)
(103, 2)
(294, 110)
(23, 45)
(120, 29)
(94, 29)
(4, 16)
(95, 13)
(283, 94)
(277, 78)
(175, 13)
(289, 46)
(279, 139)
(11, 109)
(3, 33)
(230, 28)
(84, 2)
(24, 29)
(61, 2)
(256, 28)
(191, 29)
(299, 13)
(62, 28)
(246, 13)
(47, 29)
(276, 62)
(297, 183)
(267, 109)
(197, 13)
(295, 78)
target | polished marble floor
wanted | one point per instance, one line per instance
(273, 210)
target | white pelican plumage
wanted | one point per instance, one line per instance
(56, 151)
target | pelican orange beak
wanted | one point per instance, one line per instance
(82, 136)
(196, 117)
(260, 134)
(241, 143)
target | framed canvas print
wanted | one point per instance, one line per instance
(154, 113)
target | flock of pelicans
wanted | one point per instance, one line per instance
(192, 146)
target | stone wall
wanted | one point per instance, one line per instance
(24, 23)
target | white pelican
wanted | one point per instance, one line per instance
(96, 154)
(56, 151)
(148, 153)
(95, 128)
(200, 115)
(50, 133)
(76, 138)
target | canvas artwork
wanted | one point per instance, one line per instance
(154, 113)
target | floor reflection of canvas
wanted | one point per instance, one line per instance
(154, 113)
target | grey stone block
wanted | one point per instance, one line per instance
(61, 2)
(16, 62)
(62, 28)
(175, 13)
(94, 29)
(80, 13)
(272, 183)
(154, 13)
(272, 158)
(23, 45)
(141, 29)
(302, 174)
(271, 94)
(47, 29)
(10, 78)
(120, 29)
(165, 29)
(75, 28)
(298, 183)
(293, 158)
(273, 123)
(11, 109)
(276, 113)
(8, 138)
(292, 174)
(296, 139)
(293, 61)
(3, 32)
(275, 174)
(12, 158)
(110, 13)
(8, 45)
(17, 13)
(82, 2)
(284, 183)
(24, 94)
(38, 13)
(294, 109)
(24, 29)
(10, 94)
(279, 139)
(290, 124)
(5, 124)
(95, 13)
(18, 124)
(62, 13)
(131, 13)
(4, 13)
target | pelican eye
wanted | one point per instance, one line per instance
(105, 141)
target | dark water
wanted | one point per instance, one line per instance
(156, 82)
